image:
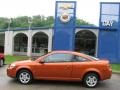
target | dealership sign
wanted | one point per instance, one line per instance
(108, 23)
(65, 11)
(64, 25)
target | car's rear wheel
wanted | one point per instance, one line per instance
(24, 77)
(90, 80)
(1, 62)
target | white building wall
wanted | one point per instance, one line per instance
(9, 41)
(8, 49)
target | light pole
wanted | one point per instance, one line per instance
(9, 23)
(30, 22)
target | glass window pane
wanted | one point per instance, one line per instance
(59, 58)
(112, 9)
(79, 59)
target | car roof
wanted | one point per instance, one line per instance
(63, 51)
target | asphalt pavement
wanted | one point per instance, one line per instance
(7, 83)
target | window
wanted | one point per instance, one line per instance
(93, 57)
(59, 57)
(79, 59)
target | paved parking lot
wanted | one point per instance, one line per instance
(7, 83)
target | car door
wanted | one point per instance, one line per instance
(80, 64)
(57, 66)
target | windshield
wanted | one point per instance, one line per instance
(36, 57)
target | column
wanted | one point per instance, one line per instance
(8, 50)
(29, 45)
(50, 40)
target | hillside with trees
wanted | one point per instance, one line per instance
(37, 21)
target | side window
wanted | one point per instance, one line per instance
(59, 57)
(79, 59)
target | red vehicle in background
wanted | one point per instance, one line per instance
(2, 59)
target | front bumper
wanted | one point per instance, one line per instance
(11, 72)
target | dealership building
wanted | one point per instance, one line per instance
(102, 41)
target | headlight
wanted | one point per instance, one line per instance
(12, 66)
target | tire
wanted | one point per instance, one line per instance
(24, 77)
(90, 80)
(1, 62)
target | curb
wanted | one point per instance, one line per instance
(115, 72)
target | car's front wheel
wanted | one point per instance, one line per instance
(24, 77)
(1, 62)
(90, 80)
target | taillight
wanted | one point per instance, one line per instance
(108, 65)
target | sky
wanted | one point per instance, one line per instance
(87, 10)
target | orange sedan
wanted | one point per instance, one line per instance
(62, 65)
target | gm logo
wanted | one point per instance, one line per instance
(65, 11)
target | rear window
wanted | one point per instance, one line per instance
(93, 57)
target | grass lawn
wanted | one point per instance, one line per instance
(115, 67)
(9, 59)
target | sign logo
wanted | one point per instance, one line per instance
(66, 6)
(65, 11)
(65, 17)
(107, 23)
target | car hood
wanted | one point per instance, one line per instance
(23, 62)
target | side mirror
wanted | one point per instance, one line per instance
(42, 61)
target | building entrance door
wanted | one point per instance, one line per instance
(85, 42)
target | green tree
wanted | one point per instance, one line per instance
(20, 22)
(80, 22)
(3, 23)
(37, 21)
(50, 21)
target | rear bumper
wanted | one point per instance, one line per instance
(107, 74)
